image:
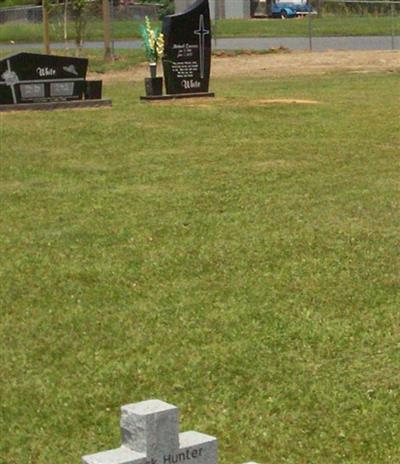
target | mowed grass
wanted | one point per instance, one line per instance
(237, 258)
(328, 25)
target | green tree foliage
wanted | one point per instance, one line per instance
(166, 6)
(80, 9)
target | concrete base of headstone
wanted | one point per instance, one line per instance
(150, 435)
(48, 106)
(178, 95)
(120, 455)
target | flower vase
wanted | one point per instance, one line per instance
(153, 84)
(153, 70)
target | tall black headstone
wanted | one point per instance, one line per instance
(187, 52)
(33, 79)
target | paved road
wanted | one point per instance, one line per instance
(317, 43)
(262, 43)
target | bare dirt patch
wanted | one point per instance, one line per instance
(209, 102)
(286, 101)
(300, 63)
(284, 64)
(278, 164)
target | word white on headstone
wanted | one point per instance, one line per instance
(150, 435)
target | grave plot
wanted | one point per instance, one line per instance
(187, 53)
(35, 81)
(150, 435)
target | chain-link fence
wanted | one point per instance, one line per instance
(74, 22)
(355, 24)
(318, 25)
(21, 14)
(121, 11)
(332, 24)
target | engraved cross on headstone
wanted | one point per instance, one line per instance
(150, 435)
(201, 32)
(10, 79)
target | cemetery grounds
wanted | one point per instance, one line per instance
(236, 256)
(329, 25)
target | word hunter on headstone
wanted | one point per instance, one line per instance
(150, 435)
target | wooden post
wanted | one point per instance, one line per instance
(46, 35)
(107, 30)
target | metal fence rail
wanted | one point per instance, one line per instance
(21, 14)
(368, 10)
(33, 14)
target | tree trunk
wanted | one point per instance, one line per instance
(46, 35)
(319, 8)
(107, 30)
(66, 24)
(79, 25)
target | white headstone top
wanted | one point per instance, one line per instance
(150, 435)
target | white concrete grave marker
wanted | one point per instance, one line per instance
(150, 435)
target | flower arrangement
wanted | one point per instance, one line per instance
(153, 42)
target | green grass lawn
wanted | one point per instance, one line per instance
(235, 258)
(328, 25)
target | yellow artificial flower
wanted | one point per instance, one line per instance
(148, 24)
(152, 39)
(160, 45)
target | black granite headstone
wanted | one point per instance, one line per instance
(187, 51)
(35, 78)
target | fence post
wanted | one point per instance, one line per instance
(310, 45)
(216, 17)
(392, 23)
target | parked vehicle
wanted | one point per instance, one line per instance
(281, 9)
(301, 8)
